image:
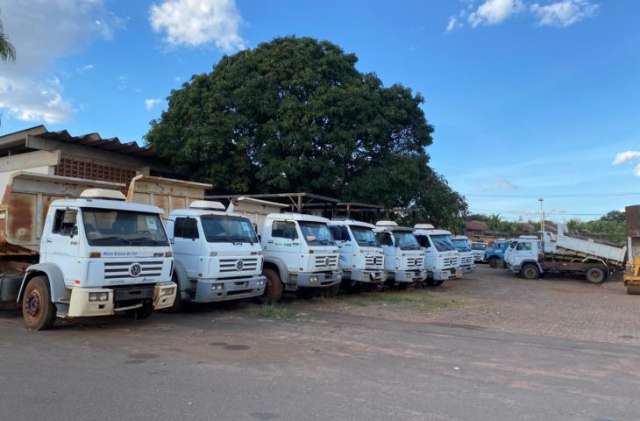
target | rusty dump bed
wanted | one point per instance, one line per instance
(27, 197)
(165, 193)
(25, 201)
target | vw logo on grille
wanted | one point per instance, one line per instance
(327, 262)
(135, 269)
(239, 265)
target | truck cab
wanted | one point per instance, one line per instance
(361, 257)
(299, 253)
(217, 254)
(441, 258)
(98, 256)
(478, 248)
(525, 257)
(403, 258)
(465, 254)
(494, 254)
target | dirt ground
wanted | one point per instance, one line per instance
(497, 300)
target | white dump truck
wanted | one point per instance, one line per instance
(466, 256)
(73, 247)
(217, 254)
(299, 251)
(441, 258)
(403, 259)
(361, 257)
(559, 253)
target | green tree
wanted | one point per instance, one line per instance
(295, 114)
(7, 51)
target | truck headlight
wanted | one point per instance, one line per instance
(167, 291)
(98, 296)
(313, 279)
(217, 287)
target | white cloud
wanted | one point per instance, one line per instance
(42, 32)
(492, 12)
(198, 22)
(85, 68)
(563, 13)
(453, 24)
(151, 103)
(628, 156)
(29, 100)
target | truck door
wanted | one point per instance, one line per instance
(386, 242)
(186, 245)
(430, 254)
(60, 243)
(524, 250)
(343, 241)
(285, 243)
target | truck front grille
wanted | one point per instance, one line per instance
(415, 262)
(123, 269)
(449, 262)
(373, 262)
(239, 265)
(466, 260)
(326, 262)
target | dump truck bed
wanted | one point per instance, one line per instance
(25, 202)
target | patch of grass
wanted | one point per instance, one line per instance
(410, 299)
(272, 311)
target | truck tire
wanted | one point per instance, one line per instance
(331, 291)
(273, 289)
(178, 303)
(38, 312)
(633, 289)
(530, 271)
(493, 262)
(596, 274)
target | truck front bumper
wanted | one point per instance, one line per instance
(367, 276)
(215, 290)
(407, 276)
(315, 279)
(443, 275)
(93, 302)
(467, 268)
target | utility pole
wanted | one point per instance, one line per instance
(541, 200)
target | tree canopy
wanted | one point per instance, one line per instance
(7, 51)
(295, 114)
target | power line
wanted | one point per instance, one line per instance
(529, 196)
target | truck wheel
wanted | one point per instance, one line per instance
(273, 289)
(331, 291)
(493, 262)
(633, 289)
(596, 274)
(178, 303)
(530, 271)
(38, 311)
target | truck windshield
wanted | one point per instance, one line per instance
(406, 240)
(461, 245)
(478, 246)
(316, 233)
(442, 242)
(228, 229)
(364, 236)
(109, 227)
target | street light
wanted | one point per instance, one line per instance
(541, 200)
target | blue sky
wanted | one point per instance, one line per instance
(529, 98)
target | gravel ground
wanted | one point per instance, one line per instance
(495, 299)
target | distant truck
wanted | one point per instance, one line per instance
(73, 247)
(560, 253)
(361, 257)
(299, 251)
(494, 254)
(632, 273)
(466, 255)
(217, 254)
(403, 258)
(479, 248)
(441, 257)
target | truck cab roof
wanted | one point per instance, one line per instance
(431, 232)
(344, 222)
(106, 204)
(460, 237)
(288, 216)
(194, 213)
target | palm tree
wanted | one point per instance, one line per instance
(7, 52)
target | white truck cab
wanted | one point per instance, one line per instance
(217, 254)
(299, 252)
(441, 258)
(361, 257)
(98, 256)
(403, 259)
(466, 256)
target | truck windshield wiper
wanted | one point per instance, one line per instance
(110, 238)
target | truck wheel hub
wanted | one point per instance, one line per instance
(33, 304)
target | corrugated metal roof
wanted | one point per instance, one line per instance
(93, 140)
